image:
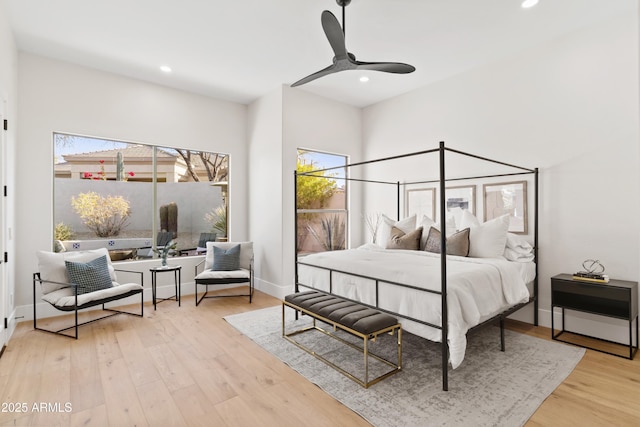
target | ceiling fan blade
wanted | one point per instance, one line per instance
(334, 34)
(325, 71)
(343, 60)
(387, 67)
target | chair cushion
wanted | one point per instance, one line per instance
(51, 266)
(235, 274)
(226, 259)
(90, 276)
(65, 297)
(246, 253)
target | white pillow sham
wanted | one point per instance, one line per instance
(487, 239)
(518, 249)
(406, 225)
(427, 223)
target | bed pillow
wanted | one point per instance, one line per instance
(457, 243)
(407, 225)
(401, 240)
(90, 276)
(518, 249)
(427, 223)
(226, 259)
(488, 239)
(467, 219)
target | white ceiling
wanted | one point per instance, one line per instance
(239, 50)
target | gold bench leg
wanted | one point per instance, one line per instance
(366, 362)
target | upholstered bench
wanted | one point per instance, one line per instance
(356, 319)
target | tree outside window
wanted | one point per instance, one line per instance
(321, 202)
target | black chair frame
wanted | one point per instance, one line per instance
(218, 282)
(76, 308)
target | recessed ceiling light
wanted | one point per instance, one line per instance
(165, 68)
(529, 3)
(364, 79)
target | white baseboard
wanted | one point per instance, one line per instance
(588, 324)
(277, 291)
(24, 313)
(603, 327)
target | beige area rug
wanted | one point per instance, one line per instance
(490, 388)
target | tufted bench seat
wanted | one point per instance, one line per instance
(356, 319)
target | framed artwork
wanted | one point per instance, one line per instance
(507, 198)
(421, 201)
(461, 197)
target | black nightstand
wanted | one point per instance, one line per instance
(617, 299)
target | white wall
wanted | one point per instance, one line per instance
(569, 107)
(264, 135)
(279, 124)
(57, 96)
(320, 124)
(8, 110)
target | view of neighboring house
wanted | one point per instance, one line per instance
(138, 165)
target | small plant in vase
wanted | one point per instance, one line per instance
(164, 251)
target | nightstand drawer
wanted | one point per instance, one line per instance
(599, 299)
(618, 298)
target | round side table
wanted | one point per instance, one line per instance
(177, 277)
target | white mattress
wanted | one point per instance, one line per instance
(477, 288)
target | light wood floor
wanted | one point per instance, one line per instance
(187, 366)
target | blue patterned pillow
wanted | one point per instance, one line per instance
(226, 260)
(91, 276)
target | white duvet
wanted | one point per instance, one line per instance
(478, 288)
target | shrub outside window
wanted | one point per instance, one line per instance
(322, 214)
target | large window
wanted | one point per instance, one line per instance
(134, 198)
(322, 214)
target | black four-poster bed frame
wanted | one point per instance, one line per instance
(441, 150)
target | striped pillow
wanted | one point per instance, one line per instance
(91, 276)
(226, 260)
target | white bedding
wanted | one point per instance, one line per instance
(478, 288)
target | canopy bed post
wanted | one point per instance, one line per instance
(398, 200)
(535, 246)
(295, 233)
(295, 225)
(443, 272)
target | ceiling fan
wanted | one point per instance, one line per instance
(344, 60)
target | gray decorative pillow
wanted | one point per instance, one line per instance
(457, 243)
(226, 260)
(401, 240)
(90, 276)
